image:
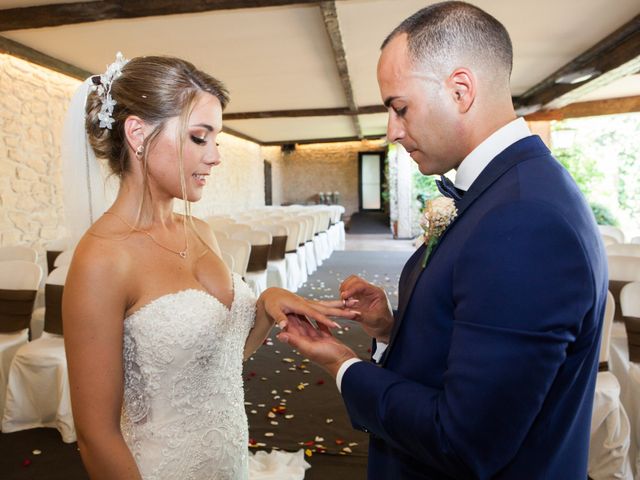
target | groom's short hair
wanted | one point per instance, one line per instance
(448, 31)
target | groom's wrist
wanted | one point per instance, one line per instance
(333, 367)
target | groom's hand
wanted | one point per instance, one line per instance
(318, 344)
(372, 305)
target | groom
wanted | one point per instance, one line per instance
(489, 364)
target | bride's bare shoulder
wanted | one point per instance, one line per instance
(103, 251)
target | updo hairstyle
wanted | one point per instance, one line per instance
(154, 89)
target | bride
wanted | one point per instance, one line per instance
(156, 326)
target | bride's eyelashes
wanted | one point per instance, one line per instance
(199, 140)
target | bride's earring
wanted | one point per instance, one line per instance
(139, 151)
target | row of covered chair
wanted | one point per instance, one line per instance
(612, 235)
(34, 385)
(286, 245)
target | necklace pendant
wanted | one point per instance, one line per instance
(183, 254)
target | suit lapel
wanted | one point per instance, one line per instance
(523, 149)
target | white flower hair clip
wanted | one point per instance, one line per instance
(102, 86)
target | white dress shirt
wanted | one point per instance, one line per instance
(466, 173)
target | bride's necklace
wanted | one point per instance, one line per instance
(181, 253)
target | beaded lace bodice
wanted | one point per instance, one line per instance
(183, 413)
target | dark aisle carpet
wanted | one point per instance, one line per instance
(363, 223)
(313, 417)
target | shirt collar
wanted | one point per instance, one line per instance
(474, 163)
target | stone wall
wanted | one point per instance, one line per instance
(323, 167)
(33, 102)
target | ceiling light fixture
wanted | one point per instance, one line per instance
(578, 76)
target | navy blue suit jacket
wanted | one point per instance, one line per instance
(491, 367)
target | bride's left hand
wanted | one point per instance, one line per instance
(278, 303)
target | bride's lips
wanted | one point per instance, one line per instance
(200, 178)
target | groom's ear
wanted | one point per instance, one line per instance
(134, 130)
(462, 86)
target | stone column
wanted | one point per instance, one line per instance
(405, 193)
(400, 191)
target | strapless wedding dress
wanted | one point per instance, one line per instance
(183, 413)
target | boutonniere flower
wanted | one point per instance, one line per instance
(438, 214)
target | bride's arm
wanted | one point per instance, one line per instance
(94, 304)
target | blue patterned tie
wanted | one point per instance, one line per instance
(448, 189)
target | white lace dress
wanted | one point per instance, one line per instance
(183, 415)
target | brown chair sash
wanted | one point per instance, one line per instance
(16, 307)
(632, 325)
(51, 259)
(53, 308)
(278, 247)
(614, 287)
(258, 258)
(603, 367)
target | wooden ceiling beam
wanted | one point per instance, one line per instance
(589, 109)
(323, 140)
(307, 112)
(34, 56)
(55, 15)
(330, 18)
(241, 135)
(607, 57)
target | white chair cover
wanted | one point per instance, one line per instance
(310, 258)
(257, 280)
(630, 299)
(608, 240)
(342, 236)
(220, 233)
(612, 231)
(9, 345)
(37, 323)
(276, 269)
(239, 250)
(219, 223)
(64, 259)
(302, 264)
(15, 275)
(625, 249)
(18, 252)
(609, 440)
(324, 233)
(228, 260)
(232, 228)
(38, 386)
(293, 280)
(628, 375)
(300, 249)
(37, 320)
(635, 240)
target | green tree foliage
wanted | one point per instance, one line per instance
(582, 168)
(604, 160)
(424, 187)
(603, 215)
